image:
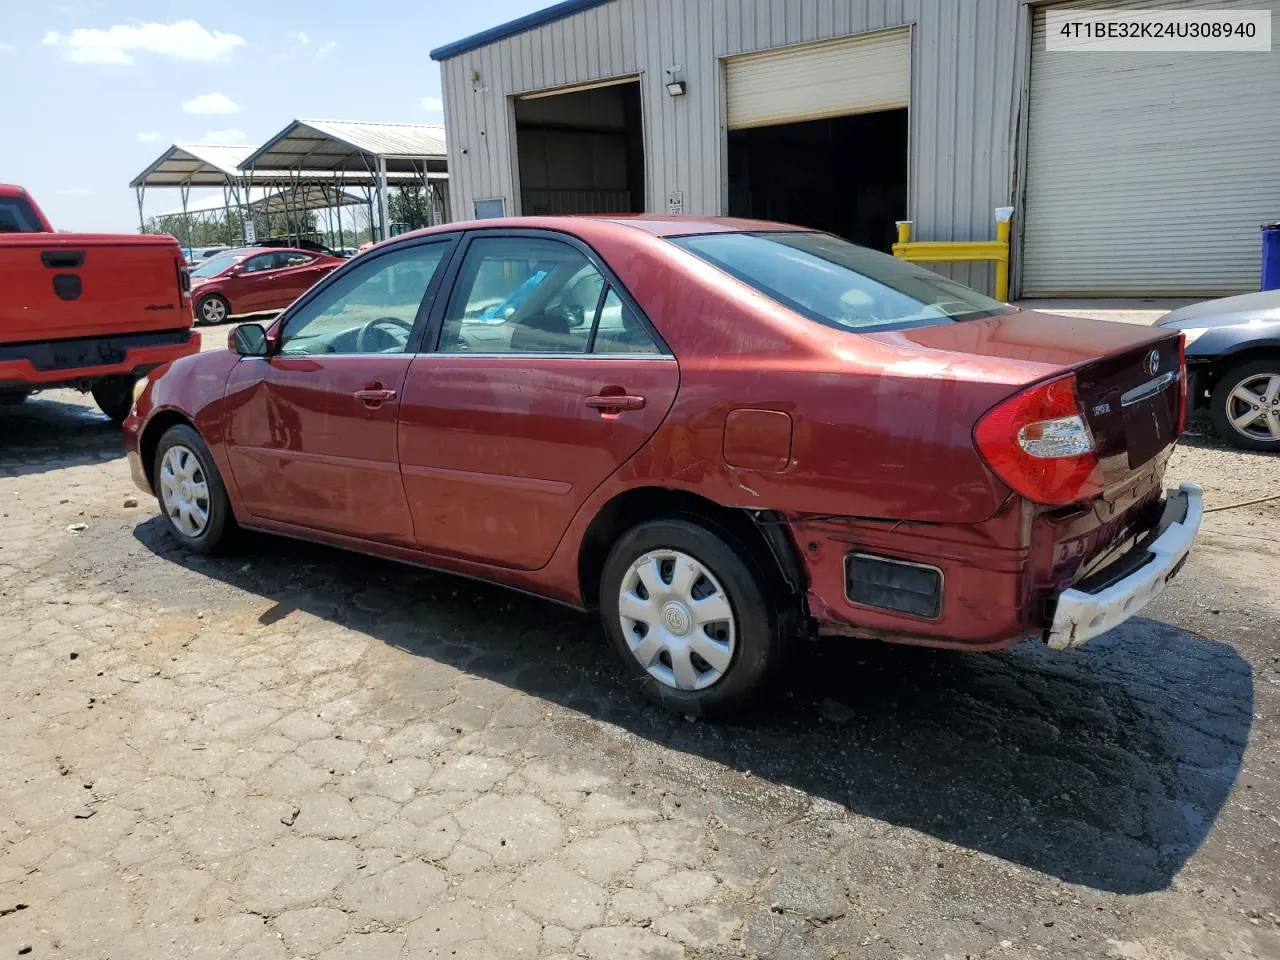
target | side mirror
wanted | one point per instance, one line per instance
(249, 340)
(235, 270)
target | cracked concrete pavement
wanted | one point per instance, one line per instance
(294, 752)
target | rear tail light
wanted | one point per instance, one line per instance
(184, 279)
(1182, 380)
(1039, 444)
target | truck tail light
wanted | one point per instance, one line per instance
(184, 281)
(1183, 398)
(1038, 443)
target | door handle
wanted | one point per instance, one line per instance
(616, 402)
(374, 396)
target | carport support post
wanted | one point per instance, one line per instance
(383, 212)
(141, 192)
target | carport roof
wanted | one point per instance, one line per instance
(514, 27)
(350, 145)
(195, 164)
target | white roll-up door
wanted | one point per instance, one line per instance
(1149, 173)
(815, 80)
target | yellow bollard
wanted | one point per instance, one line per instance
(904, 232)
(1003, 216)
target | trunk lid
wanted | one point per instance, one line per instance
(70, 286)
(1128, 376)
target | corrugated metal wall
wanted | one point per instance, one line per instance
(966, 74)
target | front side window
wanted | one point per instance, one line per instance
(522, 295)
(838, 283)
(261, 263)
(370, 308)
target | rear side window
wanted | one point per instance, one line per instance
(838, 283)
(16, 216)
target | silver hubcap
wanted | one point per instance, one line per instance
(184, 491)
(677, 620)
(1253, 407)
(213, 310)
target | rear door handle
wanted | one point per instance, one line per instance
(375, 396)
(618, 401)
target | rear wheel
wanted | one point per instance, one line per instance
(212, 309)
(1246, 405)
(114, 397)
(190, 490)
(689, 619)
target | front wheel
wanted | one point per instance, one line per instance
(689, 619)
(114, 397)
(190, 490)
(12, 399)
(212, 309)
(1246, 405)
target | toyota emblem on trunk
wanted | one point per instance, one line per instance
(1152, 363)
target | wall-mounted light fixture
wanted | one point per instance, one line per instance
(675, 86)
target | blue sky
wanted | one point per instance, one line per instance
(95, 91)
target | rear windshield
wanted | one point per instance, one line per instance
(215, 265)
(839, 284)
(16, 216)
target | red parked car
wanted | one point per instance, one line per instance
(723, 434)
(255, 280)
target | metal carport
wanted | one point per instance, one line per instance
(358, 149)
(187, 165)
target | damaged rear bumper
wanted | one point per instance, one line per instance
(1111, 596)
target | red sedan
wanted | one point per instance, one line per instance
(723, 435)
(255, 280)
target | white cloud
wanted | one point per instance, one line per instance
(326, 48)
(184, 40)
(297, 36)
(432, 104)
(230, 135)
(73, 192)
(210, 103)
(7, 47)
(148, 137)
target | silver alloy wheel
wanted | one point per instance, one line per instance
(213, 310)
(184, 491)
(1253, 407)
(677, 620)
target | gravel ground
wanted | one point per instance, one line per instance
(295, 752)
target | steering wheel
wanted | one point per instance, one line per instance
(387, 327)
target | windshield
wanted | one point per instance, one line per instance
(839, 284)
(215, 265)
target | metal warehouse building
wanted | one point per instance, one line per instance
(1130, 173)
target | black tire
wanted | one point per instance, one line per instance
(221, 525)
(759, 640)
(1220, 403)
(12, 399)
(114, 397)
(212, 298)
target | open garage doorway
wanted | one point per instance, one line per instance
(581, 151)
(844, 175)
(818, 134)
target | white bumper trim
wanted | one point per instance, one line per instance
(1082, 616)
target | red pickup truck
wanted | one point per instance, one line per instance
(94, 312)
